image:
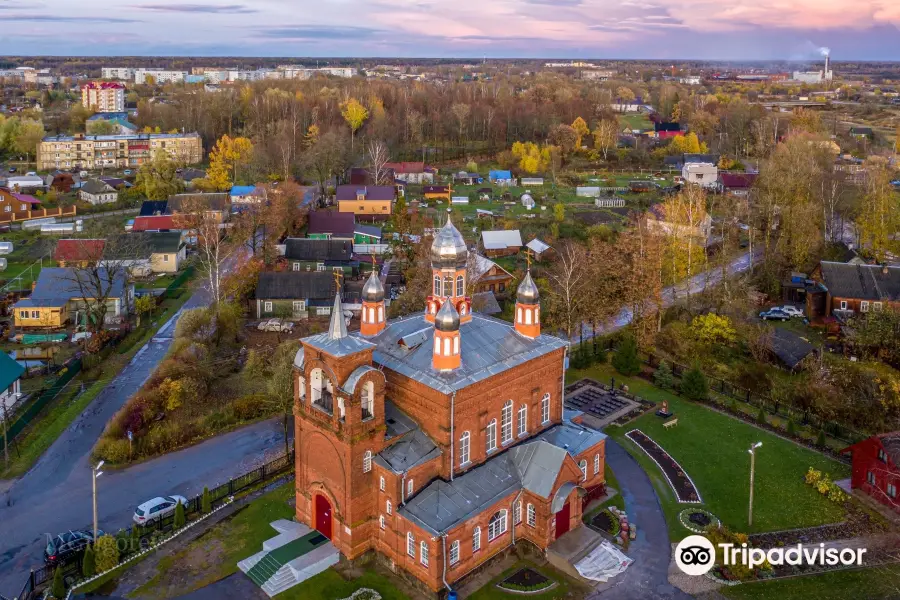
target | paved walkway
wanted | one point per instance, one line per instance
(647, 577)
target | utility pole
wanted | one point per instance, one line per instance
(5, 437)
(752, 452)
(95, 473)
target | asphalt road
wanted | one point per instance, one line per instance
(55, 495)
(671, 294)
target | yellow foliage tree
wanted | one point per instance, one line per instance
(713, 329)
(581, 129)
(532, 158)
(355, 114)
(312, 136)
(224, 160)
(687, 144)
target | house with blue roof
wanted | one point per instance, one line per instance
(10, 382)
(501, 177)
(247, 194)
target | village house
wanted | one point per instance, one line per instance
(411, 172)
(659, 223)
(22, 207)
(161, 251)
(373, 202)
(464, 178)
(150, 208)
(10, 383)
(156, 223)
(538, 248)
(439, 440)
(703, 174)
(216, 206)
(501, 243)
(876, 468)
(303, 254)
(845, 289)
(63, 295)
(78, 252)
(293, 295)
(95, 192)
(504, 178)
(247, 194)
(436, 192)
(330, 225)
(488, 276)
(737, 184)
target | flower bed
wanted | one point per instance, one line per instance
(607, 522)
(697, 520)
(526, 580)
(681, 483)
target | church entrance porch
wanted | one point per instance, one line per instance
(323, 515)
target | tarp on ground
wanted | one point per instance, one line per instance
(603, 562)
(36, 338)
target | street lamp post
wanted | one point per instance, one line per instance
(95, 473)
(752, 452)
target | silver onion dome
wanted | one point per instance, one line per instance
(447, 319)
(528, 291)
(373, 291)
(449, 248)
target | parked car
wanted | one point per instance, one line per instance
(276, 325)
(157, 508)
(774, 314)
(792, 311)
(12, 169)
(127, 171)
(81, 335)
(66, 544)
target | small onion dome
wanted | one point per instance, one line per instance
(373, 291)
(528, 291)
(447, 319)
(449, 248)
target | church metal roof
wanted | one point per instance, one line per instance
(488, 346)
(414, 446)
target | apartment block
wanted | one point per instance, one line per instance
(103, 96)
(123, 151)
(158, 76)
(121, 73)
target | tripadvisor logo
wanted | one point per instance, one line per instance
(696, 555)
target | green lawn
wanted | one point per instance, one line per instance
(712, 448)
(877, 583)
(562, 590)
(635, 121)
(331, 585)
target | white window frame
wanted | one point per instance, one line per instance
(882, 455)
(870, 477)
(517, 512)
(506, 425)
(464, 441)
(891, 490)
(491, 436)
(423, 553)
(497, 526)
(877, 306)
(476, 539)
(367, 461)
(299, 305)
(545, 409)
(388, 508)
(596, 464)
(295, 266)
(583, 466)
(522, 420)
(410, 544)
(381, 521)
(454, 552)
(267, 307)
(530, 515)
(409, 488)
(843, 305)
(864, 306)
(381, 483)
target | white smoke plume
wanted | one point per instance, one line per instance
(824, 51)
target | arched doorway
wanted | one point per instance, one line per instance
(323, 515)
(562, 521)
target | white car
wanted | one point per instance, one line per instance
(276, 325)
(157, 508)
(790, 310)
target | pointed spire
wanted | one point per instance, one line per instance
(338, 328)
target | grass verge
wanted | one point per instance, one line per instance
(877, 583)
(564, 586)
(712, 448)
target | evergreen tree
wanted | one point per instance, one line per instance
(206, 501)
(761, 416)
(663, 376)
(694, 385)
(58, 588)
(88, 563)
(179, 515)
(791, 428)
(820, 439)
(626, 360)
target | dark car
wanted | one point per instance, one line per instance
(66, 544)
(12, 169)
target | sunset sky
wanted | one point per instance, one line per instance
(706, 29)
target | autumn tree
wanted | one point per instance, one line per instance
(879, 218)
(565, 137)
(280, 384)
(158, 178)
(226, 158)
(564, 293)
(378, 156)
(461, 111)
(355, 114)
(214, 251)
(102, 127)
(625, 94)
(325, 159)
(606, 136)
(581, 130)
(27, 137)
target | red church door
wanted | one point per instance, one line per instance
(323, 516)
(562, 521)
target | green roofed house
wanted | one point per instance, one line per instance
(294, 295)
(10, 382)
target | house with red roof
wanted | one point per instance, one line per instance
(737, 184)
(155, 223)
(876, 468)
(411, 172)
(78, 252)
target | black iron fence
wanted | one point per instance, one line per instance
(139, 537)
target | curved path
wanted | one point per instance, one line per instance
(647, 577)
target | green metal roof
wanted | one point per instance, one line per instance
(10, 370)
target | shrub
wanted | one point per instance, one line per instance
(835, 493)
(791, 428)
(813, 476)
(626, 359)
(694, 385)
(761, 416)
(107, 553)
(191, 321)
(256, 364)
(820, 439)
(88, 563)
(111, 450)
(663, 376)
(206, 501)
(249, 407)
(179, 515)
(723, 535)
(58, 588)
(713, 329)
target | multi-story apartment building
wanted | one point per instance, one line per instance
(122, 73)
(158, 76)
(95, 151)
(103, 96)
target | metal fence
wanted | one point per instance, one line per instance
(174, 289)
(45, 396)
(137, 538)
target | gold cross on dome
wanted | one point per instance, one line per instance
(528, 257)
(338, 275)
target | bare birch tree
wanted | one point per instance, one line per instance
(567, 278)
(213, 249)
(378, 156)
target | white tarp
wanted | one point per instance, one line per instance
(604, 562)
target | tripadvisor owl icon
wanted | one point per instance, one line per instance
(695, 555)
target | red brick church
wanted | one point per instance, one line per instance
(439, 439)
